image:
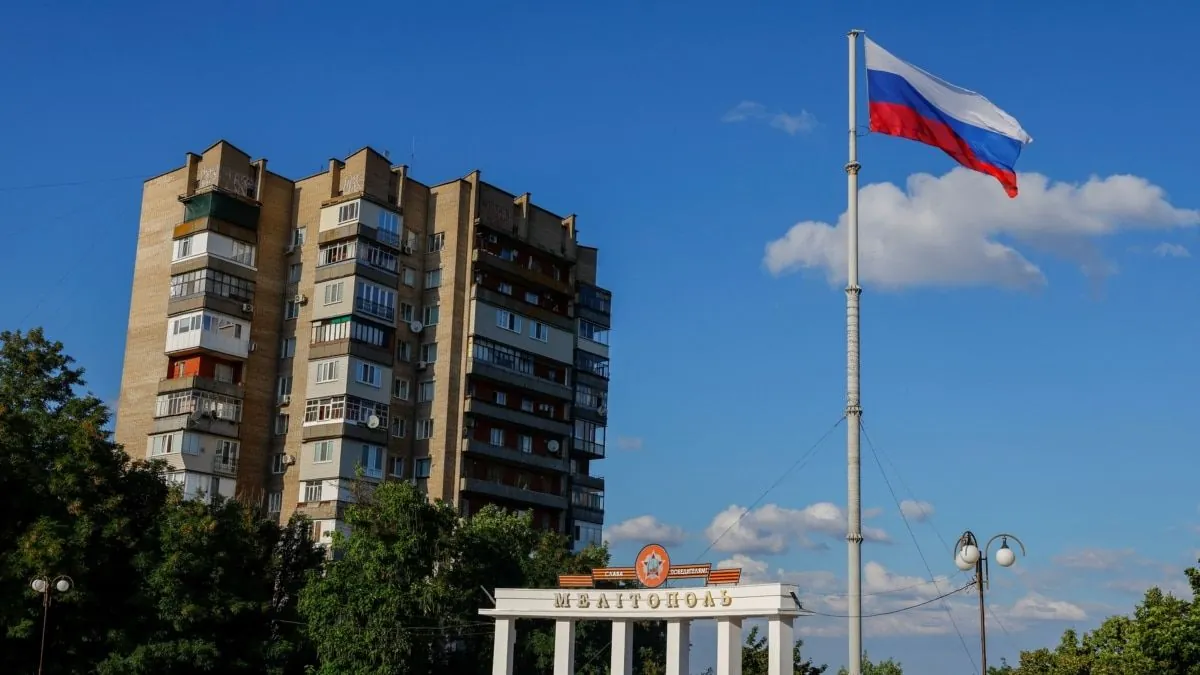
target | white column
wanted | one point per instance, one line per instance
(679, 639)
(780, 641)
(729, 647)
(622, 648)
(564, 647)
(506, 643)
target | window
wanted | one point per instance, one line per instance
(368, 374)
(299, 236)
(433, 278)
(408, 276)
(223, 372)
(533, 298)
(389, 222)
(431, 314)
(396, 467)
(406, 312)
(429, 352)
(343, 408)
(501, 398)
(525, 443)
(183, 248)
(436, 242)
(375, 300)
(278, 463)
(274, 502)
(399, 427)
(211, 282)
(161, 445)
(508, 321)
(283, 386)
(348, 212)
(282, 420)
(241, 252)
(312, 490)
(336, 253)
(400, 389)
(421, 467)
(404, 350)
(425, 392)
(506, 288)
(191, 401)
(322, 452)
(287, 348)
(496, 437)
(291, 310)
(593, 332)
(590, 363)
(327, 371)
(294, 271)
(508, 254)
(371, 459)
(539, 331)
(335, 292)
(424, 429)
(588, 397)
(526, 405)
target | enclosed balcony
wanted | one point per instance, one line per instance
(217, 204)
(208, 330)
(588, 504)
(508, 365)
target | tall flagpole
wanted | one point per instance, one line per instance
(853, 408)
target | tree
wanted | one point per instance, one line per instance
(74, 504)
(755, 657)
(885, 667)
(1162, 637)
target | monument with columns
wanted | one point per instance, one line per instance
(653, 589)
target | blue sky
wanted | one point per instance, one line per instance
(1053, 405)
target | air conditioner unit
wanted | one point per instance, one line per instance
(492, 239)
(300, 299)
(247, 307)
(289, 459)
(291, 248)
(407, 249)
(253, 345)
(421, 365)
(285, 399)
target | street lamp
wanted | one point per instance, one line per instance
(43, 587)
(968, 554)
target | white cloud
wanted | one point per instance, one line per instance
(892, 602)
(960, 229)
(790, 124)
(916, 511)
(1165, 250)
(644, 530)
(771, 528)
(629, 442)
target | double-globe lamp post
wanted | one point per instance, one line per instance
(967, 554)
(44, 586)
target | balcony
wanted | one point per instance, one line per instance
(584, 480)
(375, 309)
(514, 456)
(225, 465)
(513, 269)
(207, 384)
(587, 505)
(507, 365)
(512, 494)
(591, 364)
(209, 331)
(593, 449)
(357, 257)
(594, 304)
(196, 410)
(512, 304)
(518, 417)
(217, 204)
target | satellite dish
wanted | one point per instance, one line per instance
(416, 326)
(552, 446)
(373, 422)
(603, 409)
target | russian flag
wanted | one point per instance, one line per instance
(908, 102)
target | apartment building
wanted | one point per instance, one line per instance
(291, 340)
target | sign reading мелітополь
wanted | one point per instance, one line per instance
(636, 600)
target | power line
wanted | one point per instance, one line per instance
(802, 460)
(943, 596)
(913, 536)
(43, 186)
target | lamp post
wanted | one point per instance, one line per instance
(44, 586)
(968, 554)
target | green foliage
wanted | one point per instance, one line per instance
(1162, 637)
(885, 667)
(755, 657)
